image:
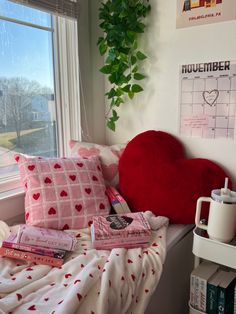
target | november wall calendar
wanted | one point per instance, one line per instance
(208, 99)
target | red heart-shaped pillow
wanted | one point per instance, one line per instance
(155, 175)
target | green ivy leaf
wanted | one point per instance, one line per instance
(126, 88)
(115, 68)
(106, 69)
(133, 60)
(115, 116)
(119, 101)
(136, 88)
(135, 69)
(139, 76)
(100, 39)
(140, 55)
(111, 125)
(111, 93)
(131, 95)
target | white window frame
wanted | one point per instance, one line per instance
(67, 97)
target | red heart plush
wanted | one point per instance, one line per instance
(155, 175)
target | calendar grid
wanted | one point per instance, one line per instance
(208, 102)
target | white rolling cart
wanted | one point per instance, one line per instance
(214, 251)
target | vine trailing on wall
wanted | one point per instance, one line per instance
(122, 23)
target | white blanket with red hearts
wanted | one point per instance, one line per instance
(89, 282)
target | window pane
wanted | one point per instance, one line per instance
(23, 13)
(27, 106)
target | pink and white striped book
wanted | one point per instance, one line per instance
(126, 230)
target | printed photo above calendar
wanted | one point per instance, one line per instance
(207, 101)
(198, 12)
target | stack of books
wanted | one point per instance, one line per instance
(126, 230)
(39, 245)
(213, 289)
(116, 200)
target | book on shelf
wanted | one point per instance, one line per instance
(117, 201)
(213, 292)
(198, 284)
(125, 230)
(31, 257)
(226, 293)
(44, 237)
(11, 242)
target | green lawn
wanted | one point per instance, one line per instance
(7, 140)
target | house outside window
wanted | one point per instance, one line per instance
(32, 119)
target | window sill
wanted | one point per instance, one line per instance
(11, 194)
(12, 205)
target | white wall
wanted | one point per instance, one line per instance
(157, 107)
(91, 80)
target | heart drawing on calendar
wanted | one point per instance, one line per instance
(210, 97)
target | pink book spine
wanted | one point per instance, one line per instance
(110, 195)
(31, 257)
(46, 238)
(117, 195)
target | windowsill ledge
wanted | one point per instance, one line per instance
(12, 205)
(7, 195)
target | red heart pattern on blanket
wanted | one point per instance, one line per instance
(156, 175)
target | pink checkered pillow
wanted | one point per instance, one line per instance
(62, 193)
(109, 157)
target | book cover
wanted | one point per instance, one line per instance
(213, 292)
(120, 230)
(31, 257)
(201, 275)
(117, 201)
(226, 293)
(11, 242)
(44, 237)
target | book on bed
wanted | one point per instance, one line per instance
(44, 237)
(128, 230)
(11, 243)
(31, 257)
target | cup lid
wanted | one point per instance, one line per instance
(224, 198)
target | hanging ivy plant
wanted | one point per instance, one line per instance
(122, 23)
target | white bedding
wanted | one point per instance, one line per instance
(90, 281)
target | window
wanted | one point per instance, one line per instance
(39, 109)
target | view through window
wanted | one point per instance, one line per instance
(27, 98)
